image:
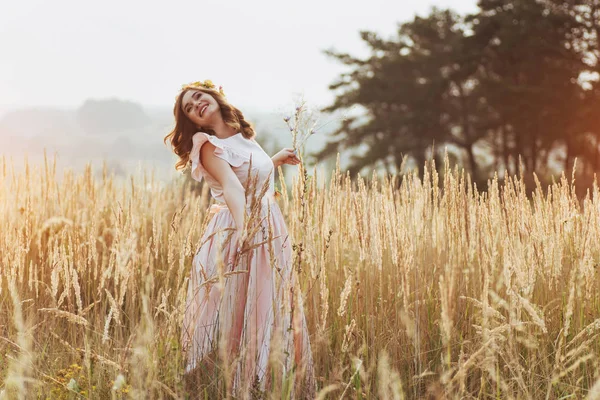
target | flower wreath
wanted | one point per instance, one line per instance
(206, 84)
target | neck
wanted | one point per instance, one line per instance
(222, 130)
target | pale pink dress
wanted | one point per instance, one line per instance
(256, 308)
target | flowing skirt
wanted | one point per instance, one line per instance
(250, 317)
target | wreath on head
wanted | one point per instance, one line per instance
(206, 84)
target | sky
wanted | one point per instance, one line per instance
(265, 53)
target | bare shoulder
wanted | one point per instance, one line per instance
(207, 150)
(216, 166)
(209, 158)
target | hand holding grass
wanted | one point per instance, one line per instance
(286, 156)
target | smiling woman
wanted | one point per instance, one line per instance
(189, 119)
(243, 299)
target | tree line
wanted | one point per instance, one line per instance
(517, 81)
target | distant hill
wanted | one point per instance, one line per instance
(111, 115)
(38, 122)
(122, 133)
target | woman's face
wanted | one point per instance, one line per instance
(201, 108)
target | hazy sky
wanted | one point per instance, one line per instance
(263, 52)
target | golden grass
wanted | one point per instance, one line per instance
(426, 288)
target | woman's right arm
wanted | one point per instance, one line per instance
(233, 191)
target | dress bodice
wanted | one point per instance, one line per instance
(237, 151)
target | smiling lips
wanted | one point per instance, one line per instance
(203, 109)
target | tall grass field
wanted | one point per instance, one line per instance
(414, 286)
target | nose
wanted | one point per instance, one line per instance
(199, 104)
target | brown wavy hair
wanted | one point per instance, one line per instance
(181, 135)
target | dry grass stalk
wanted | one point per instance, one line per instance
(474, 293)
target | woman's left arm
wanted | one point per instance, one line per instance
(275, 162)
(285, 156)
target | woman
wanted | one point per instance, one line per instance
(243, 299)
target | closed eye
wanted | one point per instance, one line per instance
(188, 108)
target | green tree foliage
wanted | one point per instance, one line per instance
(507, 79)
(530, 77)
